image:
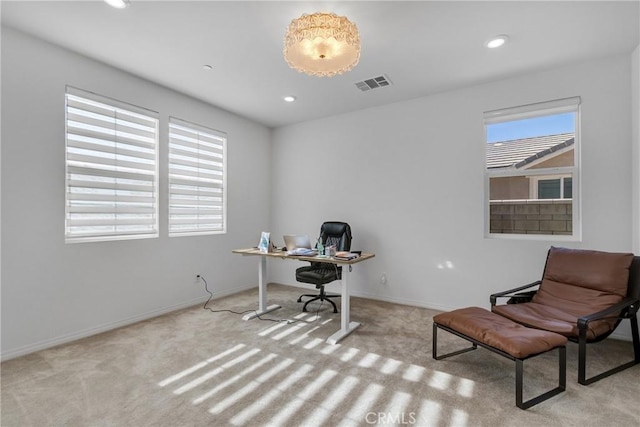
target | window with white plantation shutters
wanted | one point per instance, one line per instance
(197, 175)
(111, 169)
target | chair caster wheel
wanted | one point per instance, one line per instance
(300, 299)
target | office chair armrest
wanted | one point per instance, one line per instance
(508, 294)
(625, 309)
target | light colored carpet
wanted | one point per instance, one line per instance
(197, 368)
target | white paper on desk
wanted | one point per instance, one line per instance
(302, 252)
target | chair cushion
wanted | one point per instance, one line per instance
(499, 332)
(552, 319)
(582, 282)
(575, 283)
(318, 274)
(336, 233)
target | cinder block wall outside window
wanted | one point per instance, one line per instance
(548, 216)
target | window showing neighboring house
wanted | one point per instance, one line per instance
(197, 179)
(111, 156)
(532, 172)
(553, 188)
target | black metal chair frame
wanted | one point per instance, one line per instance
(562, 365)
(625, 309)
(323, 296)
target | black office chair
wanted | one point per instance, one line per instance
(320, 274)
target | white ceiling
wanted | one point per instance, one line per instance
(424, 47)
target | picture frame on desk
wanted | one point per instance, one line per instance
(264, 245)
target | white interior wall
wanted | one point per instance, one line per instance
(635, 159)
(54, 292)
(408, 177)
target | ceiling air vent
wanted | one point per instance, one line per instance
(373, 83)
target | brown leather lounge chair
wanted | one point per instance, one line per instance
(583, 295)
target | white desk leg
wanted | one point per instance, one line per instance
(262, 292)
(346, 326)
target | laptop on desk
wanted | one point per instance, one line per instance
(298, 241)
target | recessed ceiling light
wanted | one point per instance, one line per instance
(496, 41)
(207, 67)
(118, 4)
(289, 98)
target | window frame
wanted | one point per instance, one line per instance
(210, 133)
(74, 162)
(540, 109)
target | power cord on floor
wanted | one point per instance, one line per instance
(206, 288)
(318, 311)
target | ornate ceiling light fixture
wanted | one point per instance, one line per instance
(322, 44)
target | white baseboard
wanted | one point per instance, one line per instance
(67, 338)
(377, 297)
(621, 337)
(403, 301)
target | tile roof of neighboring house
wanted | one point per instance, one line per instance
(520, 152)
